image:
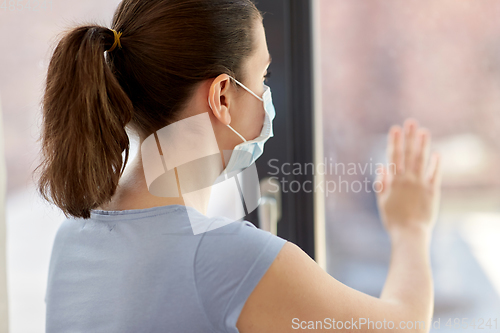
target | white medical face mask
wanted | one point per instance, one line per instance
(247, 152)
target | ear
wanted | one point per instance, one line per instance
(218, 98)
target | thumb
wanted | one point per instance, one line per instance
(436, 171)
(380, 183)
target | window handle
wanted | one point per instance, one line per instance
(269, 210)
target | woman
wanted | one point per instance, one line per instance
(126, 260)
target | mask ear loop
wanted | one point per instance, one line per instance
(243, 86)
(238, 134)
(251, 92)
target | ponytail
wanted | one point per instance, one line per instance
(85, 111)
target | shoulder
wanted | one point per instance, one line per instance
(229, 263)
(239, 243)
(67, 228)
(286, 292)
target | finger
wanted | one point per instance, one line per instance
(422, 151)
(436, 172)
(381, 180)
(410, 127)
(394, 150)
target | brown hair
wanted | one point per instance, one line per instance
(168, 48)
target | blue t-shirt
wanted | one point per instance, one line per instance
(144, 270)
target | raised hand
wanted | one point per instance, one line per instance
(409, 194)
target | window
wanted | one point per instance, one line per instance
(439, 62)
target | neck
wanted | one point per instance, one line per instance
(133, 193)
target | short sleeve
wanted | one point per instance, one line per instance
(229, 263)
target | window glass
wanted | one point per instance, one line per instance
(383, 61)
